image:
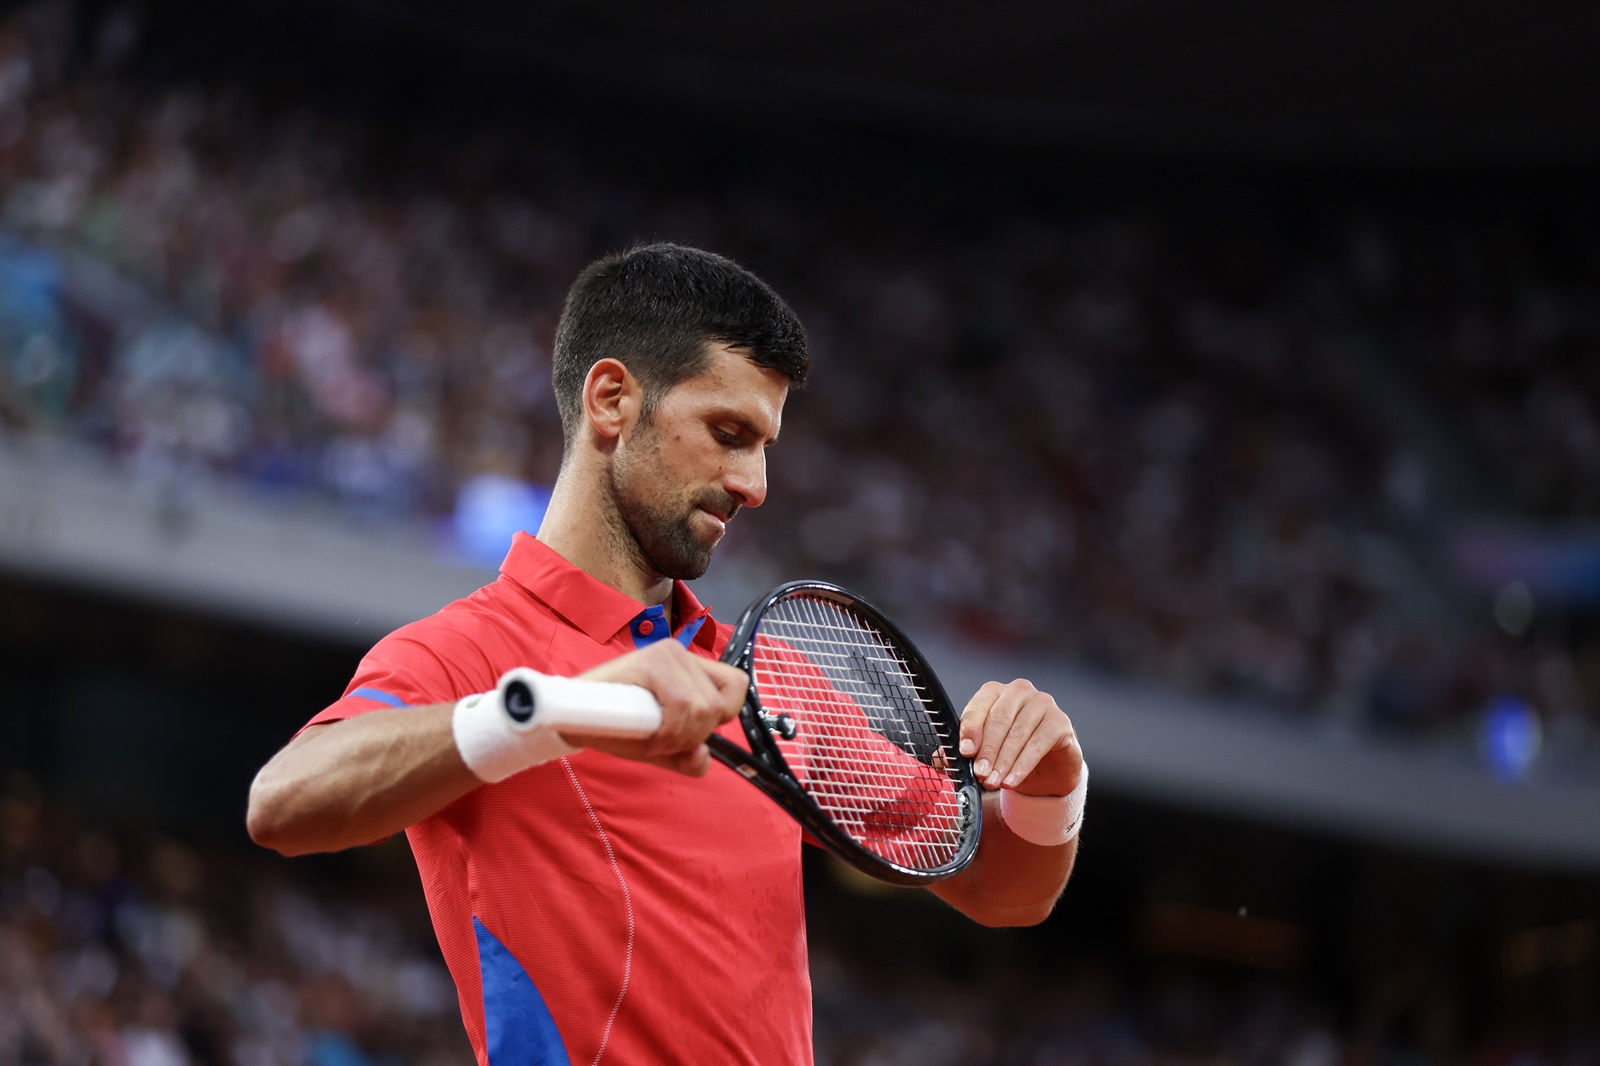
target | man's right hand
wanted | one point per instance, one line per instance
(696, 695)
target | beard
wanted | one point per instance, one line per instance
(663, 535)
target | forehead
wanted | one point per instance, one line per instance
(732, 382)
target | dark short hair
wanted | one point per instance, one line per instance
(656, 308)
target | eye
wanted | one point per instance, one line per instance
(729, 438)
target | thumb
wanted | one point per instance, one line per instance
(694, 763)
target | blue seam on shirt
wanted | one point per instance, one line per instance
(686, 637)
(379, 695)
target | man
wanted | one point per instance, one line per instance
(601, 899)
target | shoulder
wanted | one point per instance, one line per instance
(471, 639)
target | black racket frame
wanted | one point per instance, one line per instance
(765, 767)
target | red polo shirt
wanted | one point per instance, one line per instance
(596, 909)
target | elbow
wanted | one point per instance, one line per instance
(1033, 915)
(262, 820)
(1008, 914)
(1013, 917)
(270, 822)
(998, 910)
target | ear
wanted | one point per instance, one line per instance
(612, 399)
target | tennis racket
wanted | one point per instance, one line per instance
(849, 731)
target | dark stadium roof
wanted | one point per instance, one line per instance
(1358, 79)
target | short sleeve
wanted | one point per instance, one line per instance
(424, 663)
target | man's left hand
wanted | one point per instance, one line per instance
(1018, 738)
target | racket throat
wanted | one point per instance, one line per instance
(782, 724)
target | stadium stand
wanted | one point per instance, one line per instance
(1305, 464)
(1158, 452)
(145, 950)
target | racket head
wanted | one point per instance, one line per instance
(851, 731)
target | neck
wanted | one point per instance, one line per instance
(583, 527)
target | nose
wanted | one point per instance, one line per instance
(746, 477)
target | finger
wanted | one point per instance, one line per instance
(1054, 733)
(1027, 721)
(725, 688)
(732, 685)
(998, 724)
(665, 669)
(689, 705)
(708, 692)
(974, 715)
(693, 763)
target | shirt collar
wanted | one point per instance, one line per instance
(584, 600)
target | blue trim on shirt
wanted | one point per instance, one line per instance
(687, 634)
(518, 1029)
(379, 695)
(657, 617)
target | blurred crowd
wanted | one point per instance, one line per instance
(118, 949)
(1224, 461)
(1088, 1015)
(122, 951)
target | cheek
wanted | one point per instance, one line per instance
(680, 468)
(693, 459)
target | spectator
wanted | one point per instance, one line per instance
(1150, 450)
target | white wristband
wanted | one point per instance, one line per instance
(1048, 821)
(494, 742)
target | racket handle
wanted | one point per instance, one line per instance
(607, 707)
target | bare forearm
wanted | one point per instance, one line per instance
(357, 781)
(1010, 881)
(1019, 739)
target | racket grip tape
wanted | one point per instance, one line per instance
(516, 725)
(535, 700)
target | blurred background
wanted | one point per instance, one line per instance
(1231, 370)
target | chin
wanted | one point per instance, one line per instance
(686, 566)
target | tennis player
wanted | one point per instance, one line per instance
(603, 900)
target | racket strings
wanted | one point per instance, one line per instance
(867, 747)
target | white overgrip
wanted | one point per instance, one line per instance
(517, 724)
(603, 707)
